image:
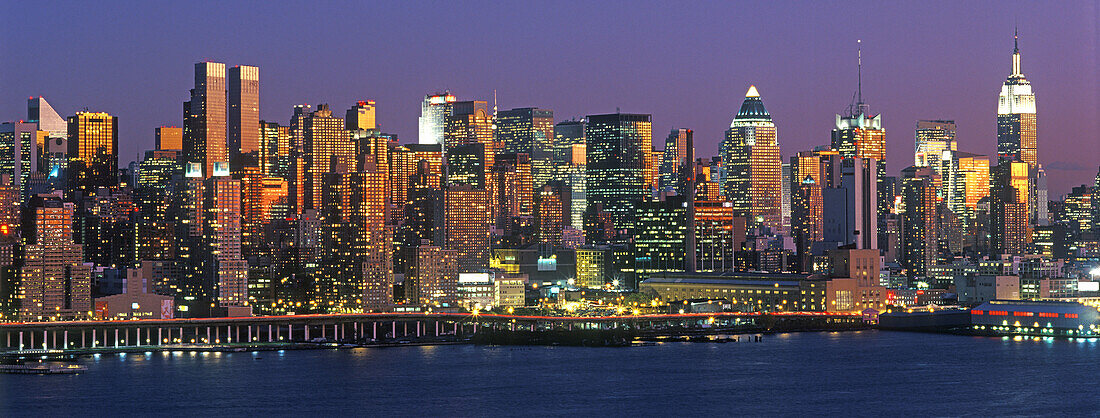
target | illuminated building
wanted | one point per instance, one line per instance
(224, 269)
(529, 130)
(362, 116)
(105, 227)
(18, 152)
(422, 215)
(570, 163)
(466, 165)
(274, 152)
(513, 195)
(244, 111)
(54, 281)
(660, 236)
(919, 237)
(158, 168)
(432, 277)
(678, 161)
(718, 235)
(590, 267)
(263, 200)
(469, 127)
(747, 292)
(433, 113)
(933, 137)
(809, 178)
(405, 161)
(1008, 192)
(548, 215)
(858, 134)
(93, 150)
(324, 142)
(617, 149)
(204, 118)
(1077, 207)
(169, 138)
(466, 227)
(751, 164)
(1016, 132)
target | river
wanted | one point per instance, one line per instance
(850, 373)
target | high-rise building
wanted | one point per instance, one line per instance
(432, 276)
(718, 235)
(617, 148)
(512, 195)
(54, 282)
(932, 139)
(18, 152)
(859, 134)
(93, 151)
(548, 215)
(223, 264)
(466, 227)
(751, 164)
(324, 142)
(849, 204)
(361, 116)
(466, 165)
(529, 130)
(678, 161)
(274, 154)
(244, 111)
(469, 128)
(1016, 127)
(52, 136)
(919, 236)
(433, 117)
(39, 111)
(660, 237)
(1008, 209)
(204, 118)
(169, 138)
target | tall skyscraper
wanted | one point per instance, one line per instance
(53, 135)
(919, 237)
(244, 111)
(529, 130)
(39, 111)
(224, 268)
(751, 163)
(1016, 126)
(362, 116)
(18, 152)
(204, 119)
(467, 128)
(433, 116)
(54, 281)
(858, 134)
(324, 142)
(93, 151)
(617, 148)
(660, 237)
(1008, 207)
(466, 227)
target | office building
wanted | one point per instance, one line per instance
(93, 151)
(919, 236)
(244, 112)
(1009, 194)
(617, 148)
(169, 138)
(362, 116)
(324, 142)
(466, 227)
(204, 118)
(529, 130)
(1016, 124)
(751, 164)
(677, 165)
(433, 117)
(54, 282)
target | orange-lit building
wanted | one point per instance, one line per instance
(751, 164)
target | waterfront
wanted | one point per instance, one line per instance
(865, 373)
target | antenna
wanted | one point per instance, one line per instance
(859, 70)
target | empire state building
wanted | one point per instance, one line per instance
(1016, 139)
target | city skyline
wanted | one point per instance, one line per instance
(806, 78)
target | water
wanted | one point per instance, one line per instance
(855, 373)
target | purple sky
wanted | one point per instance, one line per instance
(687, 63)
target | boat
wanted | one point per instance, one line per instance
(42, 368)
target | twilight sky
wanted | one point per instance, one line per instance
(687, 63)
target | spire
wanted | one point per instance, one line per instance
(1016, 54)
(752, 92)
(859, 72)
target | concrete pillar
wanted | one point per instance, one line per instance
(66, 339)
(208, 340)
(269, 333)
(456, 328)
(322, 331)
(417, 329)
(394, 329)
(307, 332)
(94, 340)
(355, 330)
(20, 340)
(405, 325)
(374, 333)
(238, 339)
(217, 334)
(436, 328)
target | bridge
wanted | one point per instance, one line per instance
(82, 335)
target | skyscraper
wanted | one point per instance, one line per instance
(433, 113)
(93, 151)
(751, 163)
(466, 227)
(1016, 126)
(244, 111)
(1009, 193)
(324, 142)
(54, 281)
(204, 119)
(919, 237)
(18, 152)
(224, 268)
(617, 148)
(469, 123)
(933, 137)
(529, 130)
(858, 134)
